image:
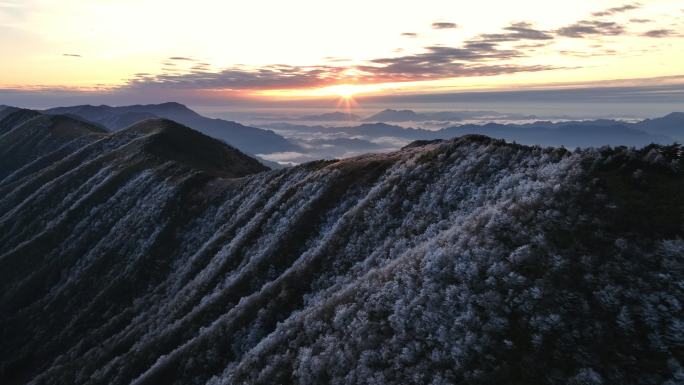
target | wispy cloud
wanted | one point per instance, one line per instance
(615, 10)
(71, 55)
(659, 33)
(240, 77)
(589, 28)
(487, 54)
(181, 58)
(444, 25)
(473, 58)
(516, 32)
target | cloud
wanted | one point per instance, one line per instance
(487, 54)
(516, 32)
(444, 25)
(640, 21)
(621, 9)
(532, 46)
(473, 58)
(71, 55)
(239, 77)
(444, 62)
(659, 33)
(665, 90)
(287, 158)
(605, 52)
(585, 28)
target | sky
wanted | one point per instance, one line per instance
(218, 53)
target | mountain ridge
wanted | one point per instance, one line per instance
(248, 139)
(466, 260)
(591, 133)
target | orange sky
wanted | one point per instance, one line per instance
(311, 48)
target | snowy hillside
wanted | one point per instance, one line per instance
(156, 255)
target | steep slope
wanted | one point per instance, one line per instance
(26, 135)
(11, 117)
(464, 261)
(248, 139)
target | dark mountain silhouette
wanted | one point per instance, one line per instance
(26, 136)
(671, 125)
(336, 116)
(592, 133)
(571, 134)
(390, 115)
(248, 139)
(157, 255)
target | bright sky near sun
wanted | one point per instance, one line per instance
(299, 48)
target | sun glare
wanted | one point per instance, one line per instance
(345, 91)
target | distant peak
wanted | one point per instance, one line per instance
(172, 105)
(173, 141)
(674, 115)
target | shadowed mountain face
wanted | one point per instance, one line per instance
(26, 136)
(390, 115)
(156, 255)
(248, 139)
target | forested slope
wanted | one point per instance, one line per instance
(156, 255)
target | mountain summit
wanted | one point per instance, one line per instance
(248, 139)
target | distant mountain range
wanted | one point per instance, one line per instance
(332, 117)
(390, 115)
(304, 142)
(157, 255)
(594, 133)
(248, 139)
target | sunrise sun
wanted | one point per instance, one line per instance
(345, 91)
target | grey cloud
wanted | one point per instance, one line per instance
(71, 55)
(409, 34)
(640, 21)
(444, 25)
(276, 76)
(666, 94)
(408, 71)
(517, 31)
(532, 46)
(181, 58)
(586, 28)
(436, 62)
(445, 62)
(659, 33)
(605, 52)
(621, 9)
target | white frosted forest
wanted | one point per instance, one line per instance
(124, 260)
